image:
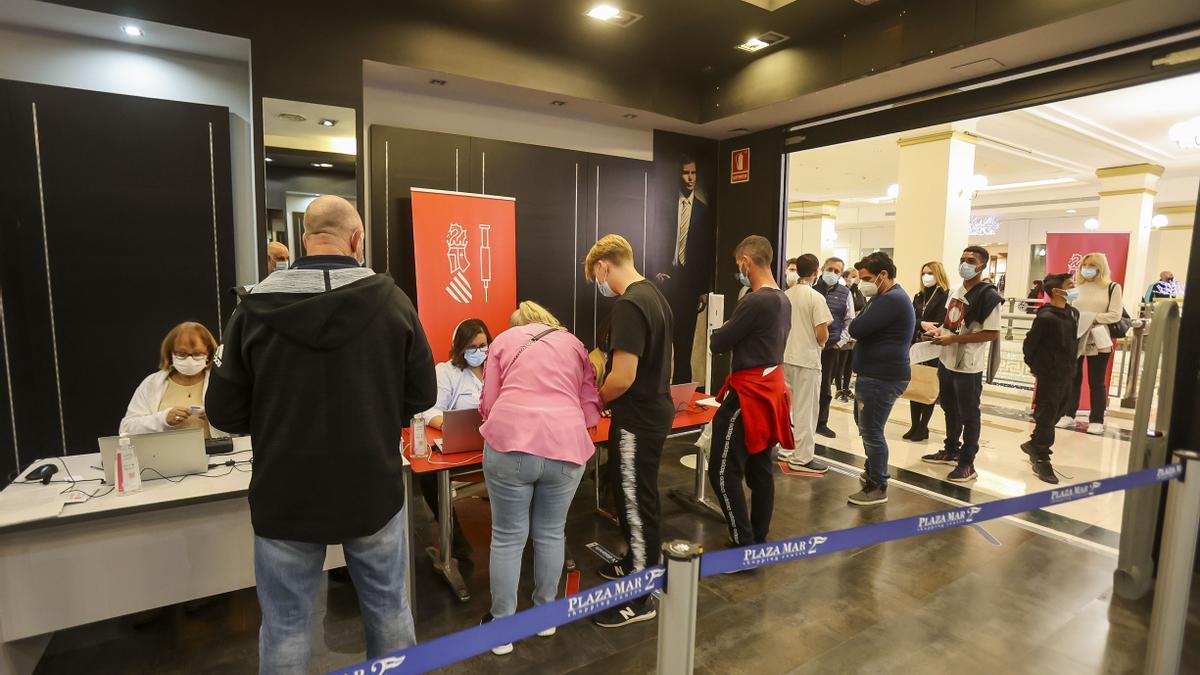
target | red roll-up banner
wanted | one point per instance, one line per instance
(465, 254)
(1064, 253)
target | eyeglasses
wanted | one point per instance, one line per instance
(194, 355)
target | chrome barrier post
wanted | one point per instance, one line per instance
(1172, 589)
(677, 608)
(1133, 361)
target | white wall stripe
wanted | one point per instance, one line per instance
(595, 289)
(37, 149)
(212, 183)
(12, 411)
(387, 202)
(645, 232)
(483, 173)
(575, 260)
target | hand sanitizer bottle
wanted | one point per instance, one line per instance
(420, 447)
(128, 472)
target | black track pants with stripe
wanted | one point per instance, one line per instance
(728, 465)
(633, 462)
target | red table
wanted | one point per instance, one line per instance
(692, 417)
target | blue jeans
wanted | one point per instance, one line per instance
(873, 401)
(960, 395)
(289, 573)
(527, 493)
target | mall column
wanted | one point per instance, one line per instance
(933, 210)
(812, 228)
(1127, 205)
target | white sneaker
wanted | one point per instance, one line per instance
(784, 453)
(549, 632)
(1066, 422)
(1096, 428)
(502, 649)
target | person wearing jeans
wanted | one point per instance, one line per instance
(539, 400)
(324, 364)
(884, 333)
(289, 574)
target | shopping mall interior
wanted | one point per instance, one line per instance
(162, 159)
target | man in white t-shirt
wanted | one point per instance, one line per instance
(802, 363)
(972, 321)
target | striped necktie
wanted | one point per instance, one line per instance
(685, 220)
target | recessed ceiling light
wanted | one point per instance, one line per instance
(630, 116)
(1091, 224)
(327, 122)
(292, 117)
(438, 83)
(269, 159)
(1070, 210)
(558, 103)
(132, 30)
(322, 165)
(1159, 220)
(763, 41)
(604, 12)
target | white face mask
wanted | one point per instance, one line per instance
(868, 288)
(928, 280)
(281, 266)
(1089, 273)
(190, 365)
(792, 278)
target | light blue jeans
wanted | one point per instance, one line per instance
(289, 573)
(528, 493)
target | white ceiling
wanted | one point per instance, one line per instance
(1069, 139)
(308, 135)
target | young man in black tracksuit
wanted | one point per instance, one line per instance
(1050, 350)
(638, 391)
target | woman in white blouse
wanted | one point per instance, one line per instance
(1099, 304)
(172, 397)
(459, 382)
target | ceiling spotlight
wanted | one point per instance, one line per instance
(322, 165)
(763, 41)
(558, 103)
(753, 45)
(438, 83)
(1159, 220)
(1091, 224)
(604, 12)
(269, 159)
(1070, 210)
(893, 191)
(327, 122)
(132, 30)
(630, 116)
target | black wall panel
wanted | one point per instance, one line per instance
(137, 235)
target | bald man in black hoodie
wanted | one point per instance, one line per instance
(323, 364)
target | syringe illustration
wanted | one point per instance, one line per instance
(485, 258)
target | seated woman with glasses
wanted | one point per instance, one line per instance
(172, 397)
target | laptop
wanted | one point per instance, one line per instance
(460, 432)
(681, 395)
(169, 453)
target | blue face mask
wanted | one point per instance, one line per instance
(743, 279)
(1072, 294)
(1089, 273)
(475, 356)
(831, 278)
(281, 266)
(967, 271)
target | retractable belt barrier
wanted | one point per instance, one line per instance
(462, 645)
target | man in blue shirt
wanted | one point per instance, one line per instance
(884, 333)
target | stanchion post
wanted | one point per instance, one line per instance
(677, 608)
(1172, 589)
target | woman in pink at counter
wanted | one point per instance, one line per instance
(539, 400)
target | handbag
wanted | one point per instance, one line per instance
(923, 387)
(1119, 329)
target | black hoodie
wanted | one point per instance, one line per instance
(323, 367)
(1051, 344)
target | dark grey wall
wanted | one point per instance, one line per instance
(283, 180)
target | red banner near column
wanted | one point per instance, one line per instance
(1064, 253)
(465, 254)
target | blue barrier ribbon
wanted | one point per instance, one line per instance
(462, 645)
(785, 550)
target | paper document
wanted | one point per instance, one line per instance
(27, 503)
(924, 351)
(1102, 337)
(1085, 322)
(711, 402)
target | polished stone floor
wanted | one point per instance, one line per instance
(1003, 599)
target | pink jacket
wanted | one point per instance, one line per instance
(545, 402)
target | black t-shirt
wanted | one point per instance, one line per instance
(642, 325)
(758, 330)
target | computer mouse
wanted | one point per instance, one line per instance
(42, 473)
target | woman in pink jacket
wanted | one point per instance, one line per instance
(539, 400)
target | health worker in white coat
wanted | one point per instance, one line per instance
(173, 396)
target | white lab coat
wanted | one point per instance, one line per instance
(143, 416)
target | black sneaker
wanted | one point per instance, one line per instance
(626, 614)
(963, 474)
(612, 571)
(908, 435)
(826, 432)
(1028, 448)
(941, 457)
(1044, 471)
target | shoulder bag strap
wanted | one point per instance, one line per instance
(520, 351)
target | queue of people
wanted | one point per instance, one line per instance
(348, 345)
